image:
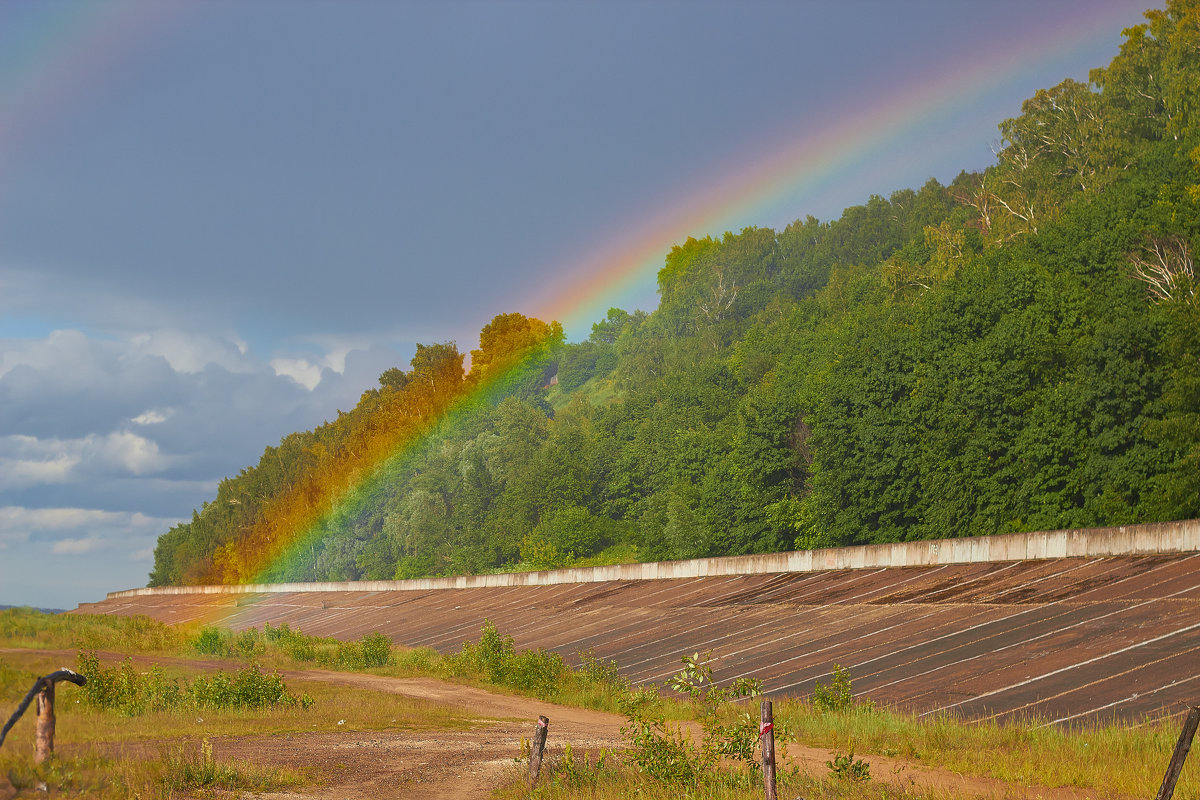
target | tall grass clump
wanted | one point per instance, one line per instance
(371, 651)
(185, 770)
(123, 689)
(1117, 758)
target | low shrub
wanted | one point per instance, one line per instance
(123, 689)
(376, 650)
(664, 751)
(846, 767)
(598, 672)
(372, 650)
(495, 657)
(839, 694)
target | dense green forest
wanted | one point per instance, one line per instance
(1018, 350)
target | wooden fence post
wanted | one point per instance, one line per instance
(44, 741)
(538, 746)
(1181, 750)
(766, 732)
(43, 689)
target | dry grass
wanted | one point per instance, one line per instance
(181, 770)
(1111, 759)
(579, 779)
(334, 707)
(105, 754)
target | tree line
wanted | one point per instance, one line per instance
(1018, 350)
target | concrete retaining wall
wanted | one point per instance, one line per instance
(1159, 537)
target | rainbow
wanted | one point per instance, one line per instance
(754, 189)
(52, 55)
(792, 170)
(49, 53)
(277, 550)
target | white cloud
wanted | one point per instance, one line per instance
(47, 520)
(22, 472)
(75, 531)
(112, 423)
(136, 454)
(30, 461)
(63, 348)
(75, 547)
(299, 370)
(189, 352)
(152, 416)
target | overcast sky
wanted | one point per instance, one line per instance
(220, 221)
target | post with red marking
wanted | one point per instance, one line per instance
(539, 745)
(766, 732)
(1181, 750)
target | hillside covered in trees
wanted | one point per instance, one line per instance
(1019, 350)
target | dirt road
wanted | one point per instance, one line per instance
(470, 764)
(426, 765)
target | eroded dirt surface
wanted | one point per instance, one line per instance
(426, 765)
(467, 764)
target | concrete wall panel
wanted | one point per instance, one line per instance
(1164, 537)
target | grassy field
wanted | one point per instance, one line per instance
(112, 752)
(160, 752)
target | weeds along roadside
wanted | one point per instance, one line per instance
(1110, 759)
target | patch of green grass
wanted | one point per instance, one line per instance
(82, 723)
(1127, 759)
(606, 776)
(29, 628)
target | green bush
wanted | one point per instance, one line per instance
(847, 767)
(373, 650)
(376, 650)
(666, 752)
(495, 657)
(838, 695)
(211, 642)
(598, 672)
(122, 688)
(248, 688)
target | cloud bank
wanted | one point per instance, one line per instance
(109, 439)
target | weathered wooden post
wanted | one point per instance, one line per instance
(539, 745)
(766, 732)
(1181, 750)
(44, 741)
(43, 689)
